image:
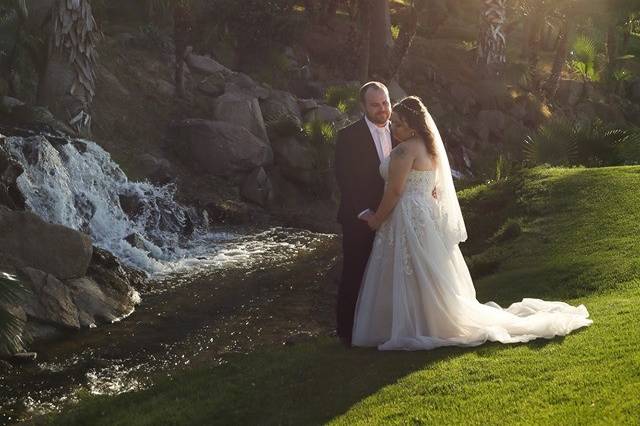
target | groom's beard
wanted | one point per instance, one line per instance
(380, 118)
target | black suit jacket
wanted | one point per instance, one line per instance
(359, 180)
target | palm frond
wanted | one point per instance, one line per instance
(584, 58)
(320, 132)
(553, 144)
(11, 292)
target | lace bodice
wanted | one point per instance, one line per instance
(418, 181)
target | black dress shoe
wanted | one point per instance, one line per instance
(346, 341)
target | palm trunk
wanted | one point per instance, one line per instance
(380, 39)
(402, 44)
(492, 41)
(67, 83)
(625, 39)
(365, 41)
(612, 45)
(551, 85)
(182, 29)
(534, 45)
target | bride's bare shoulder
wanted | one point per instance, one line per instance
(416, 145)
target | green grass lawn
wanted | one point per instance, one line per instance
(580, 242)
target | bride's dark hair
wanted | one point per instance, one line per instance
(414, 113)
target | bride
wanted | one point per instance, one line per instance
(417, 292)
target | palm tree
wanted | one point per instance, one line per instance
(182, 25)
(380, 38)
(560, 58)
(379, 56)
(407, 33)
(364, 24)
(13, 14)
(492, 40)
(67, 83)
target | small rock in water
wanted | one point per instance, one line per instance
(25, 357)
(136, 241)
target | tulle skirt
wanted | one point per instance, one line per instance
(417, 293)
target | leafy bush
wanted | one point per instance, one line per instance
(320, 132)
(511, 229)
(585, 58)
(493, 166)
(483, 264)
(345, 98)
(560, 143)
(591, 144)
(628, 150)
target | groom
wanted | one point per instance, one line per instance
(360, 148)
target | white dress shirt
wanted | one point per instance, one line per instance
(382, 138)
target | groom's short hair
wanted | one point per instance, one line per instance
(369, 85)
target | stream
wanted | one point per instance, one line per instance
(252, 288)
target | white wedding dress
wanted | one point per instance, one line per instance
(417, 292)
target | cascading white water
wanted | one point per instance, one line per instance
(76, 184)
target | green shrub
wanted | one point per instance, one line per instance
(552, 144)
(510, 230)
(482, 265)
(628, 150)
(320, 132)
(591, 144)
(345, 98)
(584, 59)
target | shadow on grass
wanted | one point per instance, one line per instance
(308, 383)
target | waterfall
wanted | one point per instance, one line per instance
(75, 183)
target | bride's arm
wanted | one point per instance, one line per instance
(402, 158)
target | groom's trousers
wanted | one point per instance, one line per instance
(357, 241)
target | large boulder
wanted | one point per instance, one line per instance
(610, 113)
(205, 64)
(463, 97)
(10, 169)
(243, 83)
(585, 112)
(157, 170)
(282, 108)
(219, 148)
(97, 303)
(307, 105)
(296, 160)
(534, 111)
(49, 301)
(324, 113)
(490, 123)
(570, 92)
(212, 85)
(493, 94)
(257, 187)
(54, 249)
(241, 109)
